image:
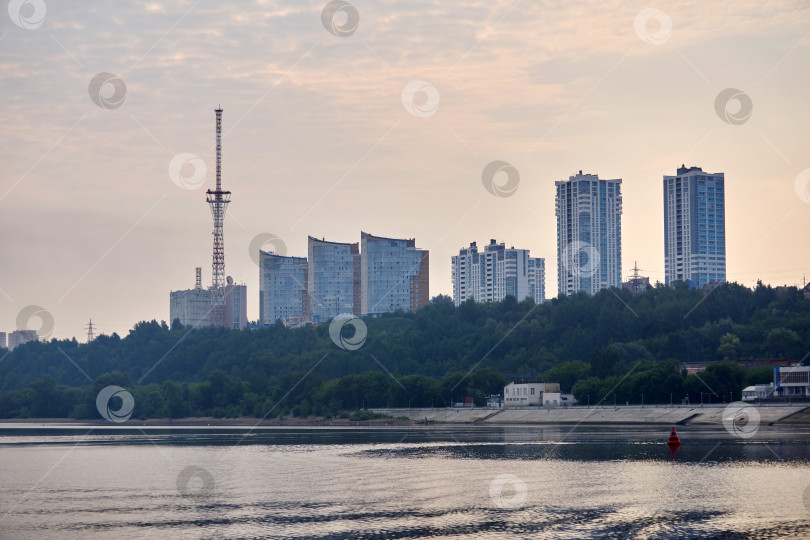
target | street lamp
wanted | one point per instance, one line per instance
(642, 401)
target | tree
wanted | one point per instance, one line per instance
(782, 343)
(729, 346)
(567, 374)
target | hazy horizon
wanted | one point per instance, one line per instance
(385, 129)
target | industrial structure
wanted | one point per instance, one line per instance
(636, 282)
(497, 272)
(223, 304)
(218, 200)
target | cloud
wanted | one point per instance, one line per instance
(306, 111)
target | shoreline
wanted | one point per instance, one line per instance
(710, 415)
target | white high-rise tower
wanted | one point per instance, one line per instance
(694, 227)
(589, 233)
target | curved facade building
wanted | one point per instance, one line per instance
(334, 279)
(393, 275)
(282, 287)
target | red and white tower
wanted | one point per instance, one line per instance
(218, 201)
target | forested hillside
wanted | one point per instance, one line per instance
(587, 343)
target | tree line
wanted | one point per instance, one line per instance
(610, 346)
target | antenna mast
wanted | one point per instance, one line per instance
(218, 201)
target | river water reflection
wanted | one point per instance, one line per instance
(493, 482)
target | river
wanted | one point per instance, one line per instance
(431, 482)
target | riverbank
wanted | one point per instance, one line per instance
(679, 415)
(207, 422)
(770, 414)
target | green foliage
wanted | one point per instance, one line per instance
(729, 347)
(593, 345)
(568, 373)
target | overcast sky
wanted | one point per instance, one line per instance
(323, 138)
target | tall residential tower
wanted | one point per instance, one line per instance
(589, 233)
(694, 227)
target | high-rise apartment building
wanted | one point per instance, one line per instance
(2, 340)
(496, 273)
(393, 275)
(537, 286)
(282, 287)
(589, 233)
(333, 283)
(18, 337)
(694, 227)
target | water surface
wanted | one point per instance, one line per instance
(438, 482)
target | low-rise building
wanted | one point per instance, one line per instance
(791, 381)
(757, 392)
(527, 394)
(224, 307)
(557, 399)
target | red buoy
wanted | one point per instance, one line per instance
(673, 439)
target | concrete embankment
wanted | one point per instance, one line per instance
(709, 414)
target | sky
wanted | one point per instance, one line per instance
(380, 117)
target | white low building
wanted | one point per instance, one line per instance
(527, 394)
(757, 391)
(556, 399)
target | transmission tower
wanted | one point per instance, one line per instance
(636, 271)
(218, 201)
(90, 335)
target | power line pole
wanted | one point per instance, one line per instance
(90, 335)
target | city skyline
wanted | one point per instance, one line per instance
(327, 135)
